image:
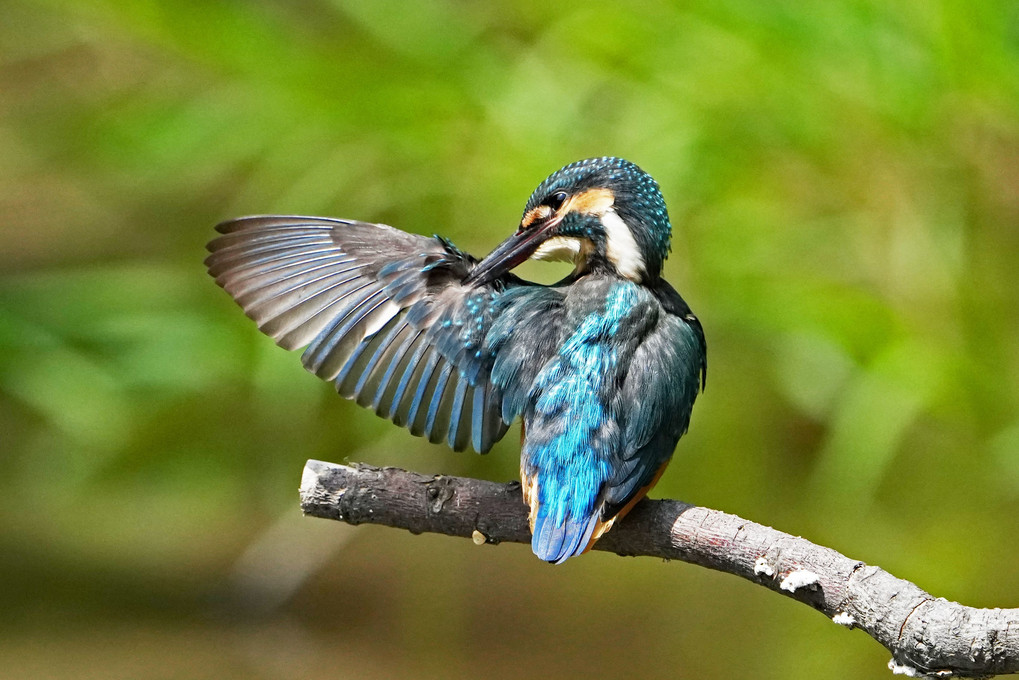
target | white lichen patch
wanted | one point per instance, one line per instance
(900, 669)
(910, 672)
(844, 619)
(309, 480)
(478, 538)
(799, 578)
(762, 566)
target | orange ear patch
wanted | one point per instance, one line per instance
(590, 202)
(535, 214)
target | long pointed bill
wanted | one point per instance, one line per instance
(510, 253)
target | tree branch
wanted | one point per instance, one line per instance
(926, 635)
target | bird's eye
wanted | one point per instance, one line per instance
(556, 200)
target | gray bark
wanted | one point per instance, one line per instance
(926, 635)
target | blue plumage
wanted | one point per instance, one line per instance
(602, 367)
(572, 435)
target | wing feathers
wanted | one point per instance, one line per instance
(306, 279)
(402, 399)
(327, 352)
(440, 405)
(426, 380)
(368, 302)
(387, 397)
(382, 347)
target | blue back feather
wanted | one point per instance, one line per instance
(571, 432)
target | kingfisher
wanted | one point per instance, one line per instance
(602, 367)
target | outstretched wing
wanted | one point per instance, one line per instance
(383, 314)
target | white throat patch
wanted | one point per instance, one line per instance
(563, 249)
(620, 247)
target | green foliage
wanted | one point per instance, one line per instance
(842, 178)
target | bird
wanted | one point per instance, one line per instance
(602, 367)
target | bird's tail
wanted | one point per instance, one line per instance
(556, 542)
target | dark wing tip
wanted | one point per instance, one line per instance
(255, 221)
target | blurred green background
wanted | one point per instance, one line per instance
(844, 183)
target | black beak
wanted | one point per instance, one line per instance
(511, 252)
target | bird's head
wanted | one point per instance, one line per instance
(600, 212)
